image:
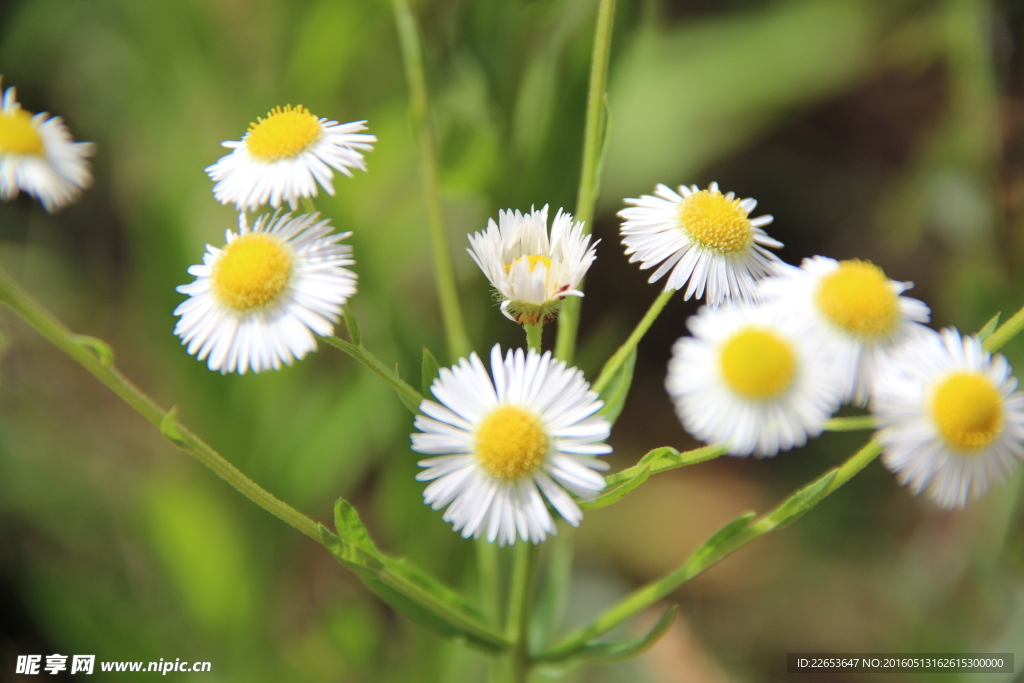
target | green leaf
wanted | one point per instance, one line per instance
(796, 505)
(103, 352)
(616, 493)
(989, 327)
(354, 334)
(723, 542)
(614, 395)
(169, 428)
(604, 653)
(431, 368)
(405, 588)
(351, 529)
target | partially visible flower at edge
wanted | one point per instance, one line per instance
(950, 418)
(38, 156)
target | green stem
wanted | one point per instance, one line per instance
(1005, 332)
(97, 359)
(517, 661)
(620, 356)
(586, 198)
(308, 205)
(419, 110)
(534, 334)
(646, 596)
(409, 396)
(850, 424)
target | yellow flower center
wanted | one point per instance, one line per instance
(511, 442)
(968, 410)
(253, 270)
(716, 222)
(283, 134)
(859, 298)
(758, 364)
(533, 259)
(17, 135)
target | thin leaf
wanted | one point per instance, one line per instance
(429, 373)
(724, 541)
(103, 352)
(797, 505)
(407, 589)
(614, 395)
(604, 653)
(990, 327)
(169, 428)
(617, 493)
(354, 333)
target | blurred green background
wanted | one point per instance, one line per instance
(885, 130)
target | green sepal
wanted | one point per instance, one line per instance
(408, 590)
(170, 429)
(990, 327)
(614, 394)
(104, 354)
(797, 505)
(605, 653)
(431, 369)
(354, 333)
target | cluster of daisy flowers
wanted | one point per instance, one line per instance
(777, 349)
(259, 302)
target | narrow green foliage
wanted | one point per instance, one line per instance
(410, 398)
(408, 590)
(355, 335)
(617, 493)
(170, 429)
(429, 372)
(615, 392)
(850, 424)
(1005, 332)
(989, 327)
(727, 539)
(797, 505)
(104, 354)
(606, 653)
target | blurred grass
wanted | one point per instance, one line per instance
(889, 131)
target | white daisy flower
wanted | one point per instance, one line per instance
(750, 378)
(507, 445)
(260, 300)
(283, 157)
(531, 271)
(853, 310)
(703, 237)
(951, 421)
(38, 156)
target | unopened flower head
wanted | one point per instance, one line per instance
(258, 301)
(282, 158)
(951, 421)
(507, 443)
(532, 271)
(38, 156)
(852, 309)
(701, 237)
(750, 378)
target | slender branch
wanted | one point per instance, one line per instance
(850, 424)
(409, 396)
(520, 600)
(586, 198)
(619, 357)
(419, 110)
(97, 359)
(704, 558)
